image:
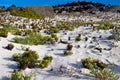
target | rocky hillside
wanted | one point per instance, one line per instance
(84, 6)
(33, 11)
(45, 11)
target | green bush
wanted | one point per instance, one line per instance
(53, 30)
(10, 46)
(3, 33)
(46, 61)
(17, 57)
(66, 53)
(27, 59)
(91, 63)
(52, 40)
(78, 38)
(32, 39)
(50, 58)
(8, 28)
(19, 75)
(54, 36)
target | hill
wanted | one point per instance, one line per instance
(84, 6)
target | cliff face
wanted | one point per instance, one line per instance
(89, 7)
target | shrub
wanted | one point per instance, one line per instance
(66, 53)
(105, 74)
(27, 59)
(46, 61)
(91, 63)
(3, 33)
(52, 40)
(19, 75)
(52, 30)
(8, 28)
(54, 36)
(50, 58)
(78, 38)
(69, 47)
(10, 46)
(17, 56)
(32, 39)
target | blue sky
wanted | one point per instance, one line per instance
(50, 2)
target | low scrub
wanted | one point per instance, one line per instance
(19, 75)
(78, 38)
(46, 61)
(104, 25)
(68, 25)
(17, 56)
(27, 59)
(53, 30)
(105, 74)
(8, 28)
(66, 53)
(53, 38)
(91, 63)
(3, 33)
(32, 39)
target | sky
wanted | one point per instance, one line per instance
(20, 3)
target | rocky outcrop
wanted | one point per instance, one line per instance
(84, 6)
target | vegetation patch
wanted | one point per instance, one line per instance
(91, 63)
(67, 25)
(78, 38)
(104, 25)
(46, 61)
(105, 74)
(67, 52)
(52, 30)
(32, 39)
(19, 75)
(27, 59)
(25, 12)
(8, 28)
